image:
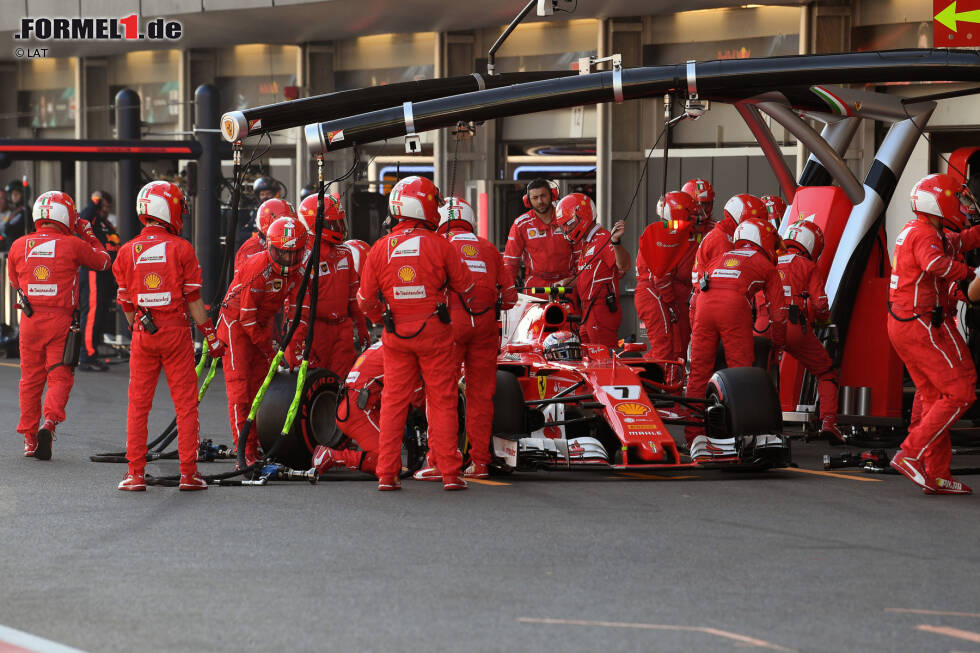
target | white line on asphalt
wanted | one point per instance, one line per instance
(17, 641)
(741, 639)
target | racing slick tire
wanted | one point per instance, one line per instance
(750, 400)
(315, 423)
(509, 410)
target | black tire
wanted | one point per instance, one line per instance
(509, 410)
(315, 423)
(750, 400)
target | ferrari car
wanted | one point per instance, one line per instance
(557, 408)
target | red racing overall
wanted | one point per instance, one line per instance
(251, 246)
(44, 265)
(409, 270)
(714, 244)
(597, 287)
(158, 274)
(248, 311)
(546, 254)
(733, 279)
(936, 357)
(336, 313)
(476, 333)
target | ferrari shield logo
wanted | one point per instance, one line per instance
(542, 386)
(138, 248)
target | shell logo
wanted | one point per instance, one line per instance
(152, 280)
(731, 262)
(406, 273)
(469, 250)
(632, 408)
(41, 273)
(782, 274)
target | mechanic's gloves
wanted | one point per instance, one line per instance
(84, 229)
(216, 348)
(672, 315)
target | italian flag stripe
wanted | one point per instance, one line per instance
(835, 103)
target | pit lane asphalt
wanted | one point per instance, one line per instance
(675, 561)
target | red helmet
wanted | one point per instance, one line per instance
(270, 211)
(164, 202)
(703, 194)
(574, 216)
(745, 206)
(415, 198)
(334, 229)
(286, 241)
(677, 205)
(945, 198)
(55, 207)
(775, 206)
(359, 251)
(456, 213)
(760, 233)
(806, 236)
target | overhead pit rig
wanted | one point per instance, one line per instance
(851, 210)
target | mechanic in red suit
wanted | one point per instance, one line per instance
(336, 309)
(719, 239)
(924, 334)
(358, 414)
(268, 212)
(476, 333)
(806, 303)
(733, 278)
(535, 241)
(775, 209)
(259, 290)
(601, 261)
(43, 267)
(404, 284)
(655, 299)
(703, 222)
(159, 284)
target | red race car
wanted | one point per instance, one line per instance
(562, 405)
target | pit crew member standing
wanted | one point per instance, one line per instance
(97, 290)
(732, 280)
(476, 333)
(601, 261)
(806, 303)
(719, 239)
(258, 291)
(404, 283)
(925, 336)
(535, 241)
(655, 296)
(159, 283)
(336, 310)
(43, 268)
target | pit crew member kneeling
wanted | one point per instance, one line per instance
(924, 335)
(403, 285)
(600, 262)
(258, 291)
(724, 311)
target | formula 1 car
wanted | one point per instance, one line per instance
(611, 408)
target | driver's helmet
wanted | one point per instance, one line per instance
(562, 346)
